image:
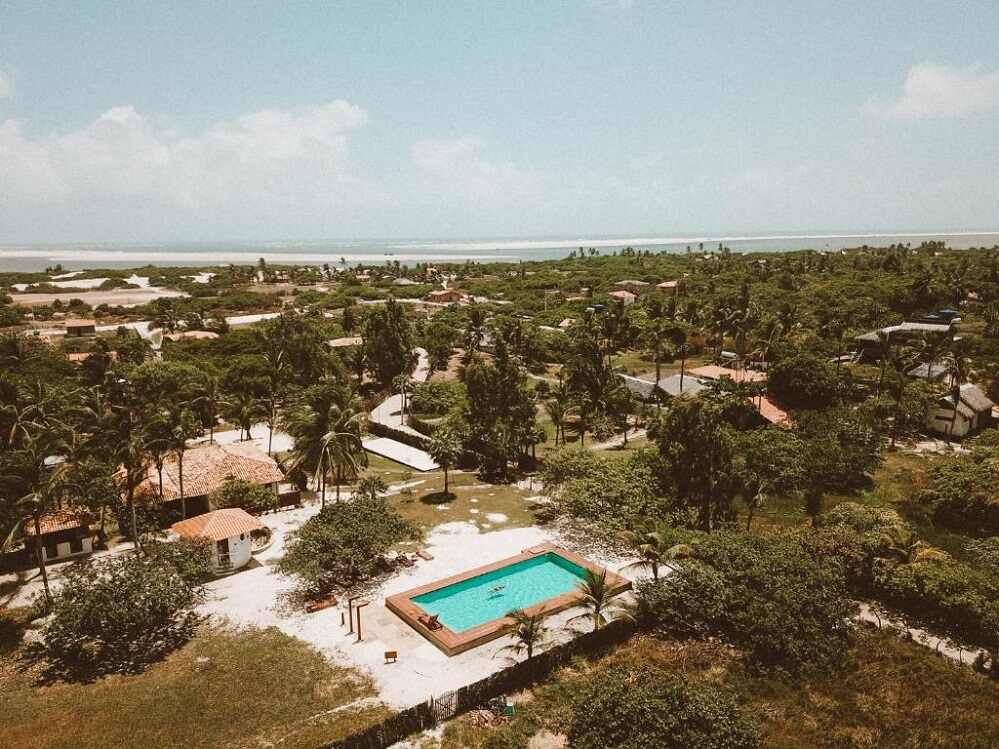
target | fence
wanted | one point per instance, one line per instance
(451, 704)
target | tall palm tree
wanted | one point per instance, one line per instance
(596, 598)
(243, 408)
(558, 409)
(182, 426)
(341, 446)
(28, 479)
(325, 424)
(275, 364)
(528, 633)
(900, 360)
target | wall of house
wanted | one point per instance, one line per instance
(64, 549)
(240, 551)
(938, 420)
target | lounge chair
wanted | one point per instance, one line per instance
(426, 555)
(430, 622)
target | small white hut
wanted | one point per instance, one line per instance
(229, 530)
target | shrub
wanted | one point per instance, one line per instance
(190, 557)
(436, 398)
(118, 614)
(254, 498)
(769, 595)
(647, 707)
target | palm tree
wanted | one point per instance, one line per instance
(445, 448)
(900, 360)
(211, 396)
(325, 424)
(244, 409)
(903, 546)
(558, 409)
(30, 478)
(342, 448)
(275, 363)
(529, 632)
(596, 597)
(655, 551)
(182, 427)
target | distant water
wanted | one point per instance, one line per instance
(94, 255)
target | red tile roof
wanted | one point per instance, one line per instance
(207, 466)
(57, 520)
(773, 414)
(218, 525)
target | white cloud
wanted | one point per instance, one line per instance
(6, 85)
(458, 167)
(267, 163)
(941, 92)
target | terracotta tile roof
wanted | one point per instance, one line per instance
(193, 335)
(57, 520)
(769, 411)
(218, 525)
(714, 372)
(207, 466)
(622, 295)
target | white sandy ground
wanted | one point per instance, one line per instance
(251, 597)
(281, 442)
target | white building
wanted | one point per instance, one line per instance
(229, 530)
(974, 412)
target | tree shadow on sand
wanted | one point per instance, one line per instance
(438, 498)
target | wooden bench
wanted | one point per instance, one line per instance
(391, 656)
(313, 606)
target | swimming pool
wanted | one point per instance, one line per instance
(471, 608)
(481, 599)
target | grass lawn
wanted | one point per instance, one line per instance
(418, 504)
(226, 688)
(894, 695)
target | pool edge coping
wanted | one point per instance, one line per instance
(452, 643)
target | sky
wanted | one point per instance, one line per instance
(200, 121)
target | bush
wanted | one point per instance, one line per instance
(436, 398)
(254, 498)
(647, 707)
(118, 614)
(768, 595)
(190, 557)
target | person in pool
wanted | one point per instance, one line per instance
(497, 590)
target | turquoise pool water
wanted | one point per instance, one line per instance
(494, 594)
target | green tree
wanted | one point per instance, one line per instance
(344, 544)
(233, 492)
(698, 456)
(445, 448)
(388, 343)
